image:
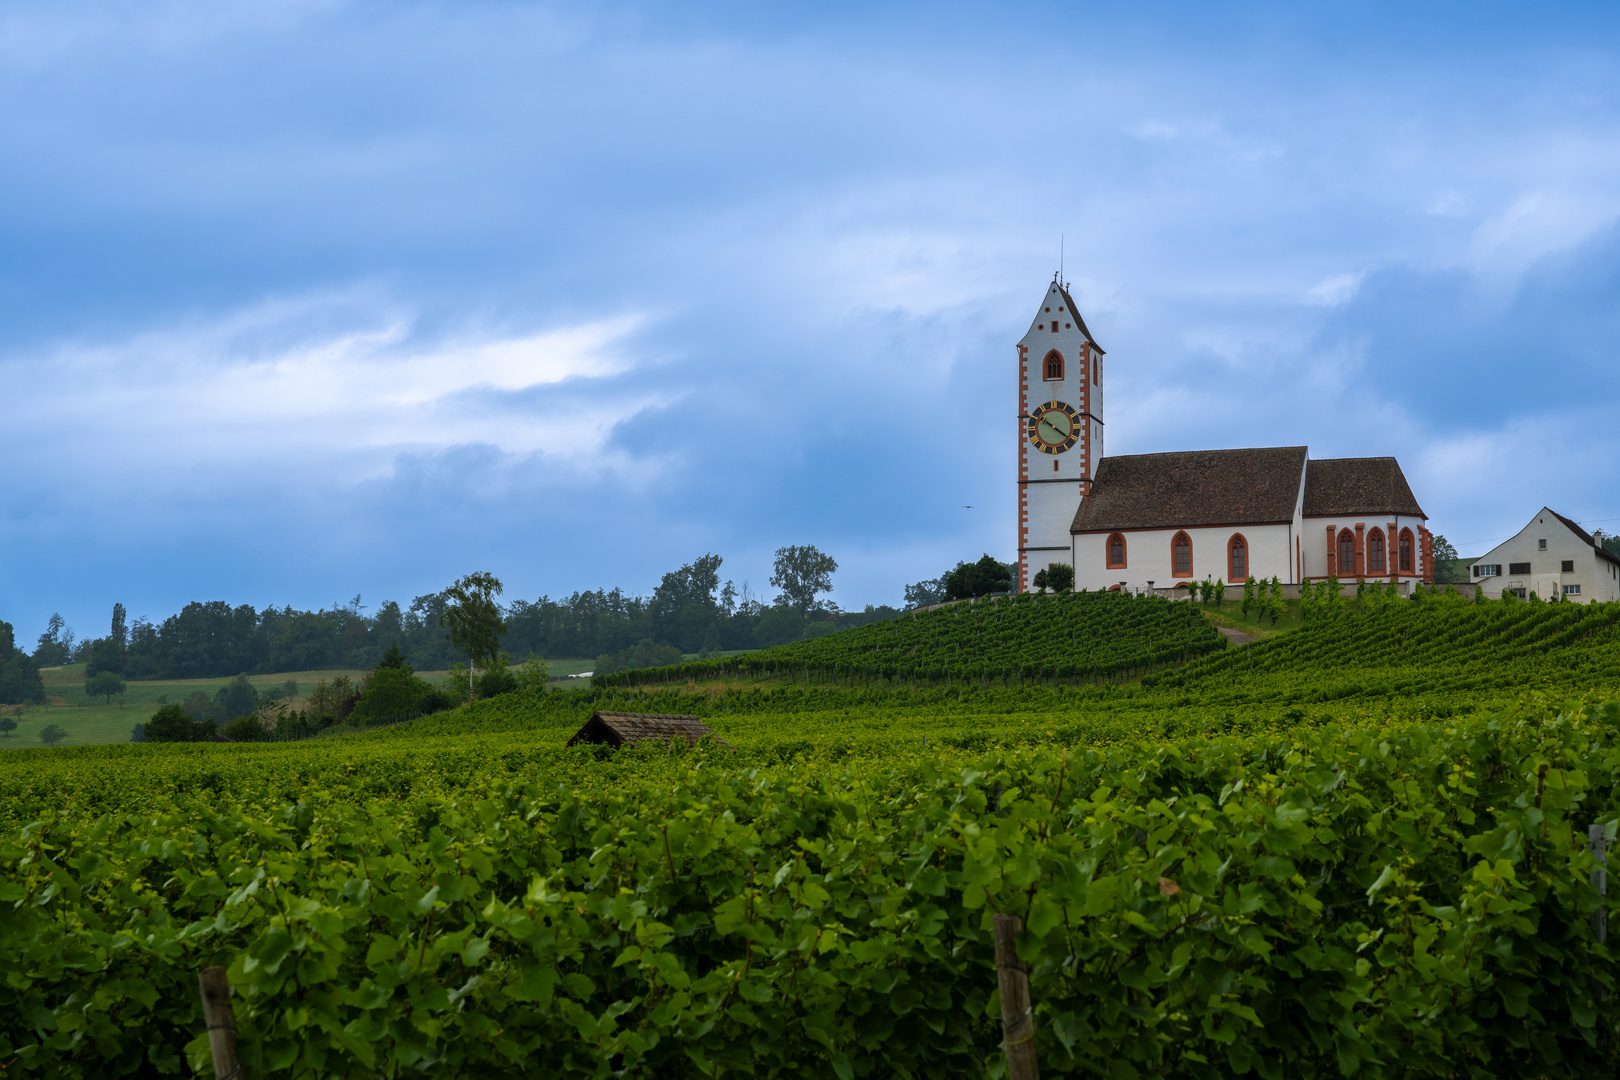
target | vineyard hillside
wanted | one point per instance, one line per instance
(1362, 848)
(1074, 638)
(1435, 647)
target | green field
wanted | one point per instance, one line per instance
(90, 721)
(1358, 847)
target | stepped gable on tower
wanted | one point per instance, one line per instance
(1255, 486)
(1363, 485)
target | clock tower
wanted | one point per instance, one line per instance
(1060, 429)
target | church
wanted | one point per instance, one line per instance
(1142, 521)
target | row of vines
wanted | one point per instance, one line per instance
(1028, 639)
(1405, 899)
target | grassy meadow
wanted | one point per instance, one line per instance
(94, 720)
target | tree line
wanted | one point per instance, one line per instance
(691, 611)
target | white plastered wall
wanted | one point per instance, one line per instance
(1313, 544)
(1148, 556)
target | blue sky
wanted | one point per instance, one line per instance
(304, 300)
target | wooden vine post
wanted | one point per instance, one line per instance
(1597, 842)
(221, 1021)
(1017, 1013)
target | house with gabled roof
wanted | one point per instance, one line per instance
(1192, 515)
(1552, 557)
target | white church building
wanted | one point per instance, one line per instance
(1164, 519)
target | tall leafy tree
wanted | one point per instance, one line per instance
(119, 632)
(104, 685)
(20, 683)
(977, 579)
(926, 592)
(54, 643)
(473, 621)
(802, 573)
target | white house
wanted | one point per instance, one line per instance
(1207, 514)
(1552, 557)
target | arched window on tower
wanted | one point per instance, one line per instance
(1054, 366)
(1347, 554)
(1096, 371)
(1237, 550)
(1181, 560)
(1375, 552)
(1406, 551)
(1116, 551)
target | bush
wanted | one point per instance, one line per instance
(245, 729)
(1059, 577)
(390, 692)
(777, 626)
(648, 653)
(497, 679)
(173, 724)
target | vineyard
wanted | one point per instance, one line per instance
(1436, 647)
(1011, 640)
(1358, 848)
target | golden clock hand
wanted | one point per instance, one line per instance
(1061, 434)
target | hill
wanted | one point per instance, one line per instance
(1438, 646)
(1204, 886)
(1010, 640)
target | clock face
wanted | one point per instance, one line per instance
(1054, 428)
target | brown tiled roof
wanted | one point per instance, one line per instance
(1586, 537)
(1358, 485)
(1078, 321)
(1195, 487)
(624, 728)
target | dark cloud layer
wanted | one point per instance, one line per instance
(271, 277)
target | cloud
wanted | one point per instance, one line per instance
(1335, 290)
(277, 386)
(300, 300)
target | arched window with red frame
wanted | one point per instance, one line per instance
(1181, 556)
(1377, 560)
(1116, 551)
(1237, 558)
(1347, 554)
(1406, 551)
(1054, 366)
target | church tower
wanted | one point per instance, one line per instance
(1060, 429)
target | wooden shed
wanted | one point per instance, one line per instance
(627, 729)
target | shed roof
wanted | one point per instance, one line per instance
(1254, 486)
(1358, 485)
(619, 728)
